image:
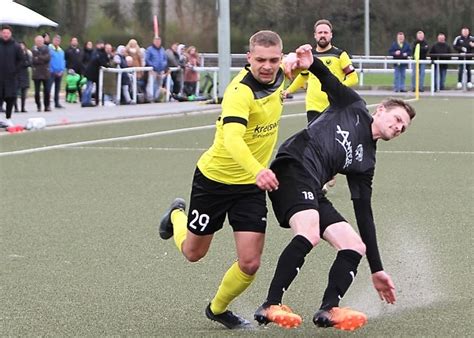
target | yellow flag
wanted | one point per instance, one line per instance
(417, 52)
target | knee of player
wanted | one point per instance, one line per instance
(249, 267)
(193, 255)
(359, 246)
(314, 238)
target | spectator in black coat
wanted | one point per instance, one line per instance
(440, 51)
(10, 61)
(41, 73)
(87, 54)
(23, 76)
(464, 44)
(74, 57)
(420, 40)
(99, 59)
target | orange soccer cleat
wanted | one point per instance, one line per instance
(278, 314)
(340, 318)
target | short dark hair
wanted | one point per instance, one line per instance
(265, 38)
(7, 27)
(322, 22)
(392, 102)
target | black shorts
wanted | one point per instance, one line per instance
(244, 204)
(299, 191)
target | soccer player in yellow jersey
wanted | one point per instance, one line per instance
(338, 62)
(232, 176)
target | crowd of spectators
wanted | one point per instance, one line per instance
(463, 46)
(80, 65)
(49, 63)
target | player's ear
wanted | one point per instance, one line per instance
(248, 57)
(380, 109)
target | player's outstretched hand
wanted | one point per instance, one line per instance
(384, 286)
(302, 58)
(266, 180)
(304, 55)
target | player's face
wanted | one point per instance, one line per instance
(264, 62)
(323, 35)
(391, 123)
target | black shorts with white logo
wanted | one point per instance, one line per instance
(244, 204)
(298, 191)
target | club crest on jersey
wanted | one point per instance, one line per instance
(328, 62)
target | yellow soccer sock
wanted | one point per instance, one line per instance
(233, 284)
(179, 221)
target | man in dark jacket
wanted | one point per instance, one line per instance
(175, 59)
(74, 56)
(420, 40)
(99, 59)
(10, 61)
(440, 51)
(464, 44)
(41, 73)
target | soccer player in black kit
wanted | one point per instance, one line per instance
(342, 141)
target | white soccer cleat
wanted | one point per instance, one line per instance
(459, 85)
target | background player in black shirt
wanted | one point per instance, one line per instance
(343, 140)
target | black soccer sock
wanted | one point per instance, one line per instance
(290, 262)
(341, 275)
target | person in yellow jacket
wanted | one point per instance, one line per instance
(337, 60)
(232, 176)
(339, 63)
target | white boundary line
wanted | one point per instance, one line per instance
(132, 137)
(204, 149)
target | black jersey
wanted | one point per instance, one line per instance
(340, 141)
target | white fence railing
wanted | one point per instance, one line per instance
(363, 66)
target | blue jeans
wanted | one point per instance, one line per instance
(442, 77)
(87, 94)
(399, 79)
(422, 77)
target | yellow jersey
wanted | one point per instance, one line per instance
(339, 63)
(252, 111)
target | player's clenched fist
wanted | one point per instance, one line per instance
(266, 180)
